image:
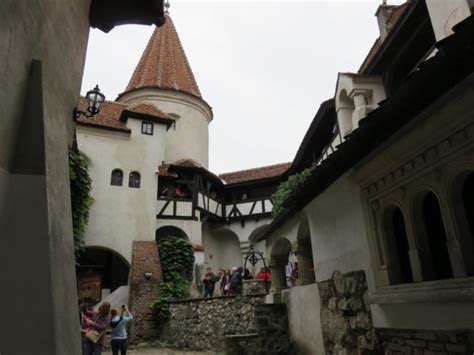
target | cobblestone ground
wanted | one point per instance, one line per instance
(162, 351)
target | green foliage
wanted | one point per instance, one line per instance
(81, 199)
(286, 188)
(177, 261)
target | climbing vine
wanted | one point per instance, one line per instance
(286, 188)
(177, 261)
(81, 199)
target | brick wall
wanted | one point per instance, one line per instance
(143, 291)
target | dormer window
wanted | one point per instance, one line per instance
(147, 128)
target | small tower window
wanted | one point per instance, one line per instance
(116, 178)
(134, 180)
(147, 128)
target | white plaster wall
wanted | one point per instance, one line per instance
(121, 214)
(338, 231)
(289, 231)
(304, 318)
(221, 249)
(190, 138)
(445, 14)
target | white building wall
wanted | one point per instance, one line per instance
(338, 231)
(190, 138)
(445, 14)
(121, 214)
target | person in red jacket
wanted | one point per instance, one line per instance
(263, 275)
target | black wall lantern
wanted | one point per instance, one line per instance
(94, 99)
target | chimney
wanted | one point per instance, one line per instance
(383, 13)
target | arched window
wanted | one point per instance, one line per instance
(116, 178)
(397, 240)
(437, 239)
(468, 201)
(134, 180)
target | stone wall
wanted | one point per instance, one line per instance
(423, 342)
(255, 287)
(203, 323)
(144, 289)
(345, 318)
(271, 335)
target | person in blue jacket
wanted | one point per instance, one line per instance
(118, 324)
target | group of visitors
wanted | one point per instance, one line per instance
(94, 325)
(230, 280)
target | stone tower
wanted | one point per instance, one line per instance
(163, 78)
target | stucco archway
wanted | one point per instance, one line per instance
(222, 249)
(101, 271)
(170, 231)
(279, 254)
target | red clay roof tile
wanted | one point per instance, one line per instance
(263, 172)
(164, 64)
(111, 112)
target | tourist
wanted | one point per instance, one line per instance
(247, 275)
(84, 327)
(209, 283)
(236, 281)
(98, 322)
(290, 282)
(179, 193)
(225, 282)
(119, 333)
(164, 192)
(264, 275)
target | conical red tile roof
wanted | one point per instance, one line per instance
(164, 64)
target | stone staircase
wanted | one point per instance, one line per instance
(271, 336)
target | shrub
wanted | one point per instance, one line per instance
(177, 261)
(81, 199)
(286, 188)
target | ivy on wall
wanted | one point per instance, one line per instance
(286, 188)
(81, 199)
(177, 261)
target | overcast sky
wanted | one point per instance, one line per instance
(263, 66)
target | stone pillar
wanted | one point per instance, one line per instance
(361, 107)
(305, 263)
(415, 263)
(277, 269)
(456, 258)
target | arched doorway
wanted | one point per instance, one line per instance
(396, 236)
(279, 259)
(170, 231)
(222, 249)
(100, 271)
(259, 246)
